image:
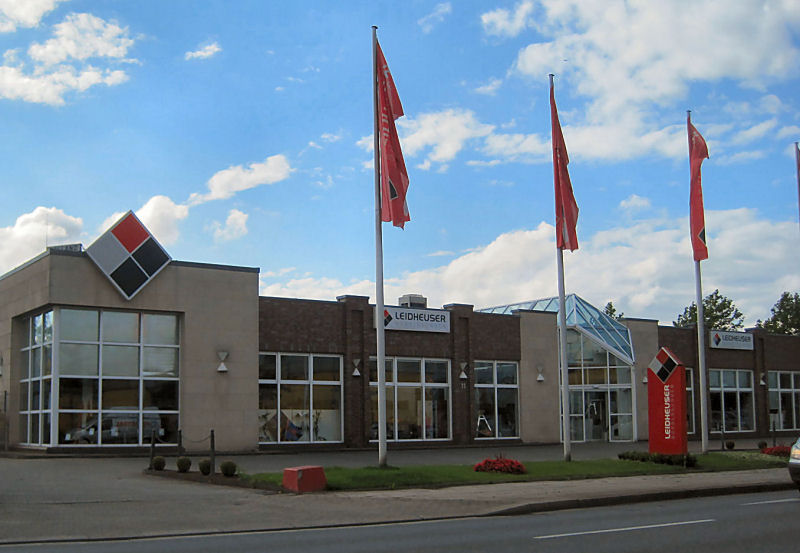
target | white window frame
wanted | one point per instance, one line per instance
(722, 389)
(495, 386)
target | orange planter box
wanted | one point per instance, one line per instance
(310, 478)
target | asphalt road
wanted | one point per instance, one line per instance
(766, 523)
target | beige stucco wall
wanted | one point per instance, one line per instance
(219, 312)
(644, 335)
(539, 401)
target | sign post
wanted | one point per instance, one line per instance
(666, 399)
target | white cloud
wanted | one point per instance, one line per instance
(630, 59)
(740, 157)
(429, 21)
(23, 13)
(755, 132)
(60, 65)
(33, 232)
(161, 216)
(791, 130)
(82, 36)
(634, 203)
(330, 137)
(646, 268)
(441, 134)
(516, 147)
(501, 22)
(235, 227)
(228, 182)
(203, 53)
(490, 88)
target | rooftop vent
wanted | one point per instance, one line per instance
(413, 300)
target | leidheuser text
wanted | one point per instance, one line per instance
(423, 317)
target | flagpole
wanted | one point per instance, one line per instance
(379, 307)
(797, 162)
(562, 333)
(701, 348)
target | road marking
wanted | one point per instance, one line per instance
(790, 500)
(627, 529)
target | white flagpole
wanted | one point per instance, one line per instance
(379, 307)
(562, 333)
(701, 341)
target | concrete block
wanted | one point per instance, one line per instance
(309, 478)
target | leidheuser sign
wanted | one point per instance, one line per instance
(721, 339)
(666, 400)
(419, 320)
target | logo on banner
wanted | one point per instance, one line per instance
(663, 365)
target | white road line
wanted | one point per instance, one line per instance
(790, 500)
(628, 529)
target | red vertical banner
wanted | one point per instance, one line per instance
(666, 400)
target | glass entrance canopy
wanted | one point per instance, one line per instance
(582, 316)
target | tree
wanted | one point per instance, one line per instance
(719, 313)
(785, 317)
(611, 311)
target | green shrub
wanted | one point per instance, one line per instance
(762, 445)
(159, 463)
(205, 466)
(687, 460)
(228, 468)
(730, 444)
(183, 464)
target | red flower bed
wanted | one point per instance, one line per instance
(500, 464)
(777, 451)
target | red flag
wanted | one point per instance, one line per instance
(394, 178)
(698, 151)
(566, 207)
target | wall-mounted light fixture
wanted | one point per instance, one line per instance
(356, 362)
(644, 378)
(540, 378)
(223, 355)
(762, 381)
(463, 375)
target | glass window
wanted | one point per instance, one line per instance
(327, 368)
(77, 428)
(78, 360)
(436, 371)
(593, 355)
(728, 379)
(159, 361)
(36, 362)
(121, 394)
(408, 370)
(409, 413)
(23, 396)
(120, 361)
(79, 325)
(506, 373)
(119, 326)
(507, 413)
(163, 425)
(595, 376)
(619, 375)
(47, 323)
(267, 364)
(373, 371)
(160, 395)
(119, 428)
(294, 413)
(35, 397)
(77, 393)
(484, 372)
(327, 415)
(38, 330)
(486, 425)
(294, 367)
(268, 413)
(574, 357)
(390, 426)
(437, 413)
(160, 329)
(47, 360)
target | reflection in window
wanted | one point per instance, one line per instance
(497, 400)
(731, 400)
(784, 397)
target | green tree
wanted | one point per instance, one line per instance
(611, 311)
(719, 313)
(785, 317)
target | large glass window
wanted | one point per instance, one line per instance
(108, 385)
(299, 398)
(600, 392)
(784, 397)
(496, 399)
(731, 398)
(417, 399)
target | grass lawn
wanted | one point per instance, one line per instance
(340, 478)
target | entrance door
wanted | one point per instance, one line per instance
(596, 416)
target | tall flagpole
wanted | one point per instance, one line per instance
(562, 333)
(797, 162)
(379, 307)
(701, 348)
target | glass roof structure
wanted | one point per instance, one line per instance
(582, 316)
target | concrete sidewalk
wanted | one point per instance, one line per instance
(47, 499)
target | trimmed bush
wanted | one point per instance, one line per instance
(500, 464)
(228, 468)
(159, 463)
(730, 444)
(183, 464)
(205, 466)
(762, 445)
(687, 460)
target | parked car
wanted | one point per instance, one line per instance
(117, 428)
(794, 463)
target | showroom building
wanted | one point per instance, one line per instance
(92, 356)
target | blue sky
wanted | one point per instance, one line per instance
(241, 133)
